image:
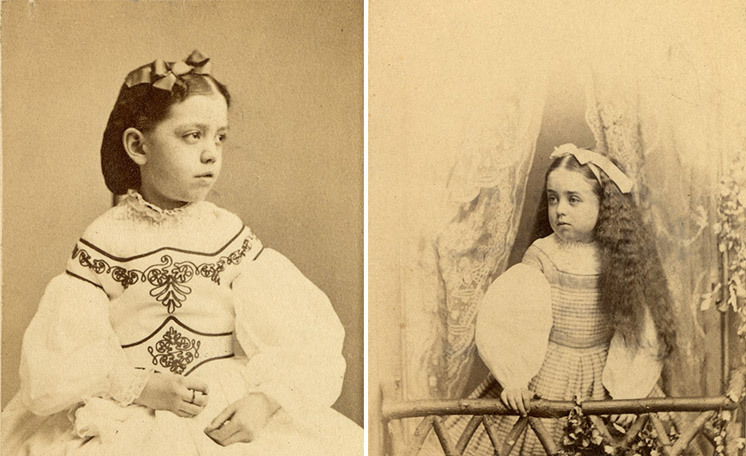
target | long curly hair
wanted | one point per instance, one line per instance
(632, 277)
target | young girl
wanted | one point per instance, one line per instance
(172, 329)
(586, 315)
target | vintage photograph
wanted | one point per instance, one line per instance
(557, 228)
(182, 228)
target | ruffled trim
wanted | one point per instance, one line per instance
(150, 211)
(127, 385)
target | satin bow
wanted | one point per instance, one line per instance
(163, 75)
(595, 162)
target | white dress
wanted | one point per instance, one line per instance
(193, 292)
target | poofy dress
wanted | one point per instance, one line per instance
(540, 327)
(192, 292)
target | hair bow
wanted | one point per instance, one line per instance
(595, 162)
(163, 75)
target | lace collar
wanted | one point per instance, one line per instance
(574, 257)
(150, 211)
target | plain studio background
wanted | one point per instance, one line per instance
(293, 166)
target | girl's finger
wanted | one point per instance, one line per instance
(221, 436)
(183, 413)
(223, 432)
(512, 402)
(200, 399)
(196, 384)
(504, 399)
(191, 409)
(223, 416)
(527, 400)
(241, 436)
(521, 405)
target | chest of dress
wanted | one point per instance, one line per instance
(170, 308)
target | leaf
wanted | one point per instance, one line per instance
(619, 428)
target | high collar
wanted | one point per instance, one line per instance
(150, 211)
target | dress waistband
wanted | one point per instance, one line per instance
(179, 348)
(601, 341)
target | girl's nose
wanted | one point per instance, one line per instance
(209, 153)
(561, 207)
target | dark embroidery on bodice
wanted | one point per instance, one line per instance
(174, 351)
(167, 277)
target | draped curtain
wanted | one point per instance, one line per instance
(452, 265)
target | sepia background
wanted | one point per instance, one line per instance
(293, 167)
(466, 103)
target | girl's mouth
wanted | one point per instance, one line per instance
(205, 175)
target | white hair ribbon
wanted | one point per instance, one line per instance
(595, 162)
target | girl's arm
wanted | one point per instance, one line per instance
(70, 351)
(645, 361)
(513, 325)
(293, 337)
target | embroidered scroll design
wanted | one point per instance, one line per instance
(174, 351)
(168, 278)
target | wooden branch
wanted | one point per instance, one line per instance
(545, 437)
(510, 440)
(633, 430)
(443, 438)
(491, 427)
(605, 434)
(542, 408)
(420, 435)
(688, 434)
(709, 431)
(660, 429)
(466, 436)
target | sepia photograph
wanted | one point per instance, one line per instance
(557, 228)
(182, 228)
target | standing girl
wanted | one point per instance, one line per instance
(173, 330)
(586, 315)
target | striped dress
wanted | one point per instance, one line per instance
(578, 345)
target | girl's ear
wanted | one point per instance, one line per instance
(132, 140)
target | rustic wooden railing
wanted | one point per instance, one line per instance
(483, 413)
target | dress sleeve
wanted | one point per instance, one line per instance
(513, 325)
(291, 334)
(644, 361)
(70, 352)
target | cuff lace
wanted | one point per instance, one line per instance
(127, 384)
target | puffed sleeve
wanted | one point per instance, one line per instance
(70, 352)
(290, 333)
(513, 324)
(644, 361)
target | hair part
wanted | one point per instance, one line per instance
(632, 277)
(142, 107)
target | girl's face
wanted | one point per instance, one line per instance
(184, 152)
(573, 205)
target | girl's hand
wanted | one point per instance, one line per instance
(183, 396)
(243, 420)
(518, 399)
(623, 420)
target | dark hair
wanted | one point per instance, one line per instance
(142, 106)
(632, 276)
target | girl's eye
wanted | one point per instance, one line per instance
(222, 138)
(574, 200)
(551, 199)
(193, 136)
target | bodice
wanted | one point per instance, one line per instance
(170, 304)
